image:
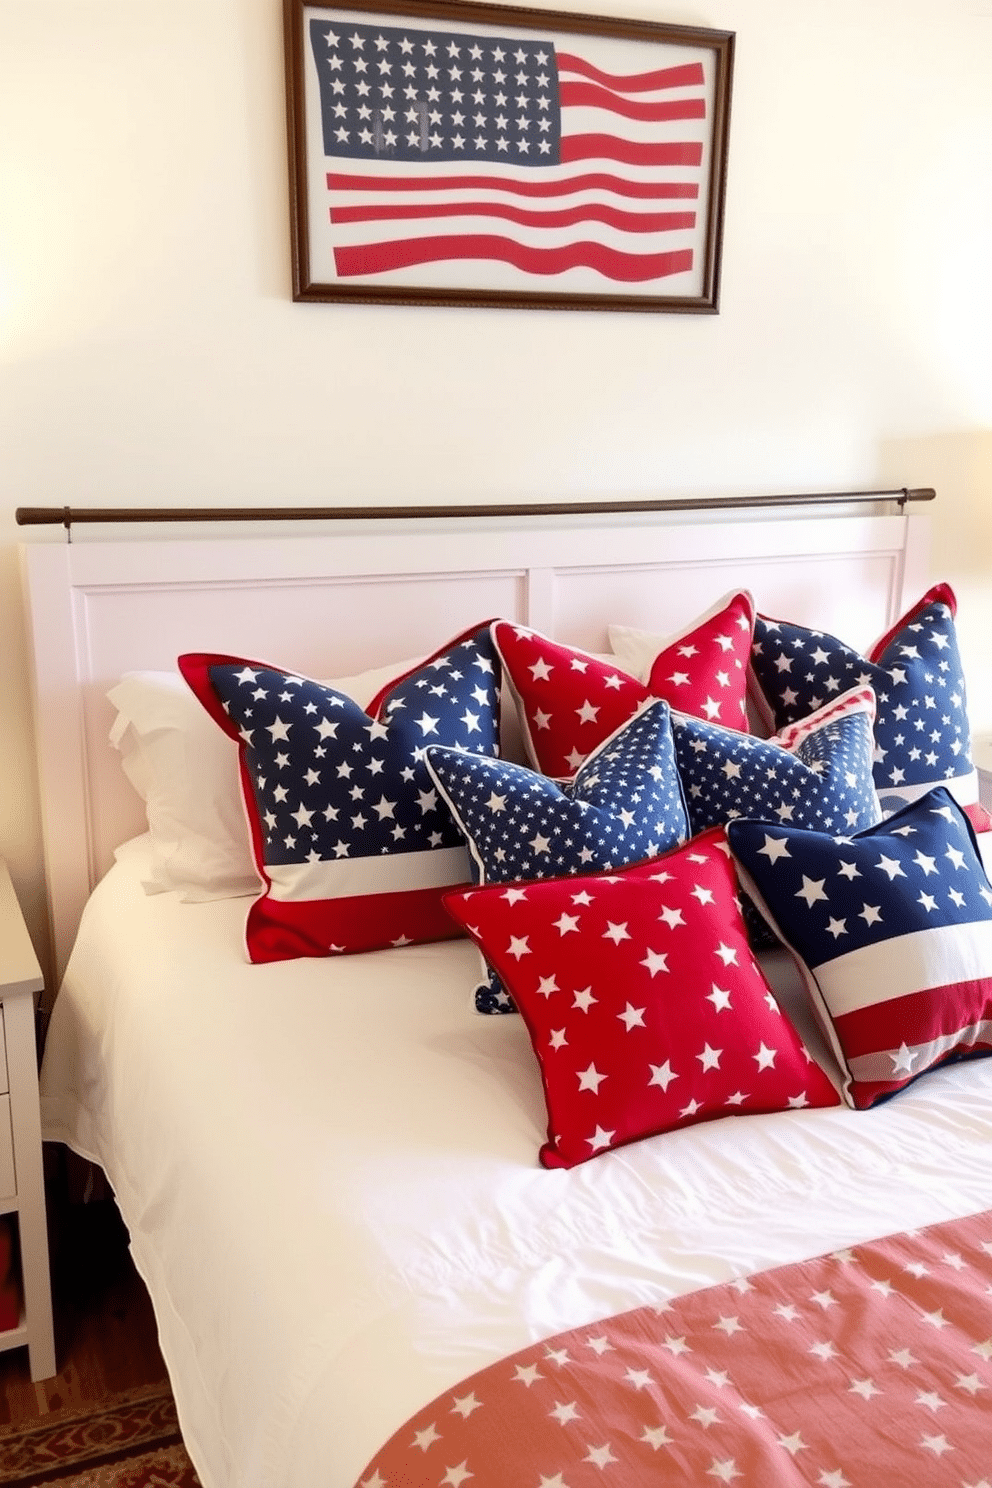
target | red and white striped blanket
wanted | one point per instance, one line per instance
(866, 1367)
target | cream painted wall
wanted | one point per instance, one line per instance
(150, 352)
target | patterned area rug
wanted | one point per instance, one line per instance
(130, 1440)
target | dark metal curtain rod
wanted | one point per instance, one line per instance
(68, 516)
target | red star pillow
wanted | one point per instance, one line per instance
(570, 701)
(645, 1005)
(703, 663)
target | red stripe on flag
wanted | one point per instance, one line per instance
(636, 222)
(587, 95)
(919, 1018)
(607, 147)
(629, 268)
(591, 181)
(689, 75)
(277, 930)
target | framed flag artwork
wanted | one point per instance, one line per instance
(456, 153)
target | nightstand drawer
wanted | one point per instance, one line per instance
(8, 1183)
(22, 1180)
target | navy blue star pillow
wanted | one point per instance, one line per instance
(350, 838)
(623, 805)
(922, 737)
(892, 930)
(816, 773)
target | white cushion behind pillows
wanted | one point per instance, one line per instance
(636, 649)
(186, 771)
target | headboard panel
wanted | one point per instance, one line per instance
(331, 605)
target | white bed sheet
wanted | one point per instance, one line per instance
(329, 1174)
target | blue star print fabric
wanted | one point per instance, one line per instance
(894, 929)
(921, 729)
(624, 804)
(817, 774)
(353, 843)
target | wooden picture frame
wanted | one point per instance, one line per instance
(455, 153)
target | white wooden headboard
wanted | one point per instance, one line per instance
(334, 604)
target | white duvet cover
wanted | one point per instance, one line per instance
(329, 1174)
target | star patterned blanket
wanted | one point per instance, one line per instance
(867, 1366)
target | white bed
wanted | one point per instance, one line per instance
(328, 1167)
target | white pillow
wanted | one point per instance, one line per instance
(636, 649)
(186, 771)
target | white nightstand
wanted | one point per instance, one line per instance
(981, 753)
(22, 1189)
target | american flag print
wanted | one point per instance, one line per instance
(443, 149)
(922, 735)
(871, 1365)
(644, 1004)
(624, 804)
(893, 927)
(350, 837)
(816, 773)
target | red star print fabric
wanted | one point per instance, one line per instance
(645, 1005)
(703, 662)
(869, 1366)
(569, 701)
